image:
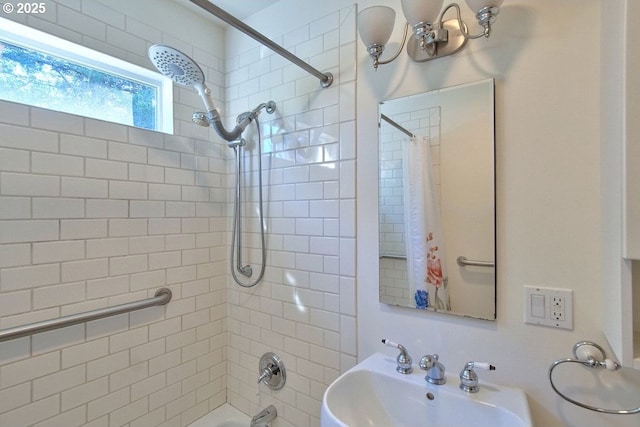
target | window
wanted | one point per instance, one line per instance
(44, 71)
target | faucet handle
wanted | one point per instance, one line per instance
(469, 378)
(427, 361)
(404, 360)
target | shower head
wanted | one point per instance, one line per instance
(184, 71)
(176, 65)
(181, 69)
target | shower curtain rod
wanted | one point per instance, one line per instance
(326, 79)
(396, 125)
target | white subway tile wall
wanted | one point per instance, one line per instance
(94, 214)
(304, 310)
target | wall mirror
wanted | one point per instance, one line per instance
(437, 201)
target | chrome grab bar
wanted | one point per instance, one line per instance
(463, 262)
(398, 257)
(162, 297)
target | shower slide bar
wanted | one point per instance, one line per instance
(326, 79)
(463, 262)
(162, 297)
(396, 125)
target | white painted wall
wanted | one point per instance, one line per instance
(548, 196)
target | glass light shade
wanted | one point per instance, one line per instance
(375, 24)
(417, 11)
(476, 5)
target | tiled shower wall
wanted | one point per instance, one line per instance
(94, 214)
(304, 311)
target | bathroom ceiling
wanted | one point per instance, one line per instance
(241, 9)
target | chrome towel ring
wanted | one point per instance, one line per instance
(592, 355)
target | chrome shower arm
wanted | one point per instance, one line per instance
(235, 133)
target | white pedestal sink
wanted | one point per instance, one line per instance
(373, 394)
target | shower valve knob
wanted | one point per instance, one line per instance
(272, 372)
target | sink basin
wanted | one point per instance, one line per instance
(373, 394)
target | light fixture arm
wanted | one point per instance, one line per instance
(461, 23)
(485, 16)
(376, 56)
(445, 10)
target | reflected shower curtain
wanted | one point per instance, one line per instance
(423, 233)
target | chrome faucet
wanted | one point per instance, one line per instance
(404, 360)
(469, 378)
(264, 418)
(435, 369)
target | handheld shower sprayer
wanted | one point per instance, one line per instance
(183, 70)
(269, 107)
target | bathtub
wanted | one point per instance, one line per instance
(223, 416)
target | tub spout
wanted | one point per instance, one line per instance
(264, 418)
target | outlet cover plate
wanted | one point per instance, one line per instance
(551, 307)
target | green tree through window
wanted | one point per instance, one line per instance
(35, 78)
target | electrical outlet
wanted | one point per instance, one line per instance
(557, 307)
(549, 307)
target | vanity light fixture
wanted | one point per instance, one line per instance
(433, 36)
